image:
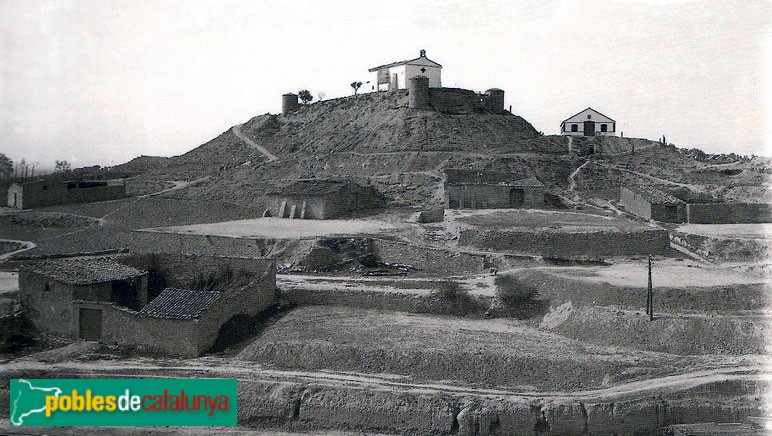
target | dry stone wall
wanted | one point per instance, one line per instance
(728, 213)
(559, 244)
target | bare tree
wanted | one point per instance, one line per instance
(321, 95)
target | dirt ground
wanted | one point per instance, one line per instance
(666, 272)
(278, 228)
(533, 218)
(734, 231)
(481, 352)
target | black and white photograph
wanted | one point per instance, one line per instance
(358, 218)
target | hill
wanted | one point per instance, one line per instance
(376, 138)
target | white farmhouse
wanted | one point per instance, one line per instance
(396, 75)
(588, 122)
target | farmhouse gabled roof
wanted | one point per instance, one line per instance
(654, 195)
(407, 62)
(314, 187)
(175, 303)
(83, 271)
(457, 176)
(588, 108)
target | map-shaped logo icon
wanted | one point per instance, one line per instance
(27, 399)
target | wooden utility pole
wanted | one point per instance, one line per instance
(650, 296)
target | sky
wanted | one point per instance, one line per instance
(103, 81)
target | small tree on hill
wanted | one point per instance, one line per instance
(305, 96)
(356, 86)
(321, 95)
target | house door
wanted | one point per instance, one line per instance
(516, 197)
(90, 324)
(671, 214)
(589, 128)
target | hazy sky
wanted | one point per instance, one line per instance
(100, 81)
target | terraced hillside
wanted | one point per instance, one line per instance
(375, 137)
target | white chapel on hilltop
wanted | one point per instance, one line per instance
(588, 122)
(396, 75)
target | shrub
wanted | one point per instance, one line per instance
(513, 292)
(455, 300)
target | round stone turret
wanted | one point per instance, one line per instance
(418, 93)
(289, 103)
(495, 100)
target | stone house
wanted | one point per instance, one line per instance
(49, 290)
(67, 297)
(323, 199)
(653, 204)
(588, 122)
(47, 192)
(397, 75)
(473, 189)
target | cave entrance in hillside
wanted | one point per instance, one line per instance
(589, 128)
(516, 197)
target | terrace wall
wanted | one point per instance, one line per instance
(729, 213)
(492, 196)
(562, 244)
(397, 252)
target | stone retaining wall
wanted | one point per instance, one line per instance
(562, 244)
(727, 213)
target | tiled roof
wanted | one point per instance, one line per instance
(83, 271)
(175, 303)
(654, 195)
(396, 64)
(455, 176)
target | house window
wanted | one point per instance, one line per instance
(574, 128)
(47, 287)
(603, 128)
(589, 117)
(45, 187)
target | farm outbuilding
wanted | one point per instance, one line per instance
(323, 199)
(397, 75)
(47, 192)
(653, 204)
(48, 290)
(100, 299)
(473, 189)
(588, 122)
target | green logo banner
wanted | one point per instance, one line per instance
(123, 402)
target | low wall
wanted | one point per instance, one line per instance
(456, 101)
(157, 242)
(168, 336)
(368, 299)
(727, 213)
(424, 259)
(180, 270)
(564, 244)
